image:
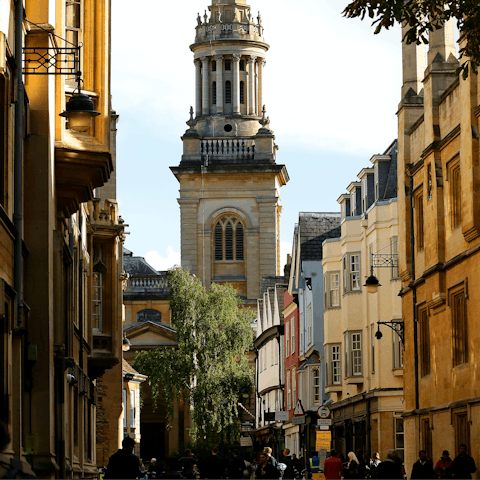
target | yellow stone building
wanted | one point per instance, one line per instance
(438, 169)
(228, 175)
(363, 373)
(60, 234)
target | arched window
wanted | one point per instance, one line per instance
(149, 315)
(242, 90)
(228, 91)
(214, 93)
(229, 239)
(218, 242)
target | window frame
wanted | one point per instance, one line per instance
(349, 353)
(287, 338)
(292, 335)
(461, 427)
(228, 92)
(352, 278)
(309, 324)
(459, 335)
(455, 177)
(289, 392)
(316, 385)
(419, 221)
(424, 339)
(214, 92)
(294, 385)
(71, 81)
(223, 221)
(397, 351)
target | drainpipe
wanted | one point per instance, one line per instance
(414, 295)
(80, 287)
(18, 162)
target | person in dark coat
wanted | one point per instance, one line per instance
(123, 463)
(237, 466)
(266, 469)
(287, 460)
(423, 467)
(443, 466)
(214, 467)
(187, 462)
(389, 468)
(463, 465)
(361, 464)
(152, 469)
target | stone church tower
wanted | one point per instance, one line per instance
(229, 178)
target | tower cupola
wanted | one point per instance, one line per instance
(229, 56)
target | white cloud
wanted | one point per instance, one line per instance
(163, 263)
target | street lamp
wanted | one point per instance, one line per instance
(126, 344)
(79, 110)
(372, 282)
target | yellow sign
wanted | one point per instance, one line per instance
(323, 440)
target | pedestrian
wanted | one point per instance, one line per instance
(270, 459)
(333, 466)
(463, 465)
(423, 467)
(443, 466)
(187, 462)
(353, 466)
(371, 468)
(266, 469)
(361, 464)
(11, 467)
(287, 460)
(297, 466)
(390, 468)
(237, 466)
(142, 469)
(123, 463)
(214, 466)
(152, 469)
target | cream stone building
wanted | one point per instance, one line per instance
(438, 172)
(60, 234)
(228, 175)
(364, 375)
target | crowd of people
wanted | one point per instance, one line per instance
(335, 467)
(124, 464)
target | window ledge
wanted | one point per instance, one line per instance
(356, 292)
(461, 366)
(354, 380)
(398, 372)
(333, 388)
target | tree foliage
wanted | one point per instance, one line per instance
(209, 367)
(422, 17)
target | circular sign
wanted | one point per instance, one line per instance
(323, 412)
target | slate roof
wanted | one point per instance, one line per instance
(391, 183)
(314, 229)
(137, 265)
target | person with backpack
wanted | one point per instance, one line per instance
(123, 463)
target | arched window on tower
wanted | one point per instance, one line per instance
(218, 242)
(228, 91)
(214, 93)
(242, 92)
(229, 240)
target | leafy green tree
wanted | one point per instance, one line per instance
(423, 16)
(209, 366)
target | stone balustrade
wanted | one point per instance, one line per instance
(150, 281)
(235, 147)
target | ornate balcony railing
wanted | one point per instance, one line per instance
(236, 147)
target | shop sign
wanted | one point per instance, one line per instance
(298, 420)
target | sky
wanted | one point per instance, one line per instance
(331, 89)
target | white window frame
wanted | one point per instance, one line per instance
(334, 289)
(316, 385)
(353, 354)
(132, 408)
(399, 433)
(352, 270)
(309, 324)
(97, 301)
(289, 392)
(302, 329)
(336, 364)
(287, 339)
(124, 401)
(394, 251)
(292, 335)
(294, 385)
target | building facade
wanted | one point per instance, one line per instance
(147, 326)
(61, 235)
(438, 169)
(228, 175)
(364, 374)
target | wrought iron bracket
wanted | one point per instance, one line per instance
(397, 327)
(51, 61)
(380, 260)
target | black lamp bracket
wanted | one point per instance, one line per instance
(380, 260)
(396, 326)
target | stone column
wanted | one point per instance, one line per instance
(219, 60)
(261, 64)
(236, 84)
(205, 96)
(413, 57)
(198, 87)
(442, 42)
(251, 89)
